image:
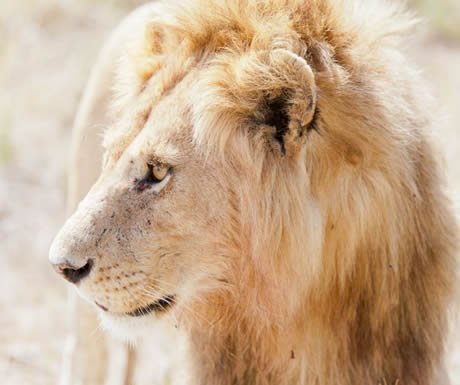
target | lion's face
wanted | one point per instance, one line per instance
(150, 230)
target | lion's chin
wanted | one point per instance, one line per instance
(126, 327)
(134, 324)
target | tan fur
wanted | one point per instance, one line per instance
(326, 257)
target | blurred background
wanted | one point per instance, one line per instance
(47, 48)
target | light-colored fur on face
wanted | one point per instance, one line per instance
(302, 231)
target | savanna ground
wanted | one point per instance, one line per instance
(47, 48)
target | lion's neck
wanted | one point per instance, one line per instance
(243, 356)
(231, 345)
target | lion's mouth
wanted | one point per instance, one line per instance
(162, 305)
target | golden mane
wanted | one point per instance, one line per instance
(365, 230)
(336, 263)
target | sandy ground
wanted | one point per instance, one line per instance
(47, 48)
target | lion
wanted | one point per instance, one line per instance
(269, 185)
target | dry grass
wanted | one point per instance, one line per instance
(47, 48)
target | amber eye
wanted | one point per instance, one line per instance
(156, 174)
(159, 172)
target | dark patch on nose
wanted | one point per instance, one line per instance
(101, 306)
(74, 274)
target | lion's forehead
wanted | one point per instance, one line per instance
(154, 126)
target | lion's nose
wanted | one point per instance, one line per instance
(74, 273)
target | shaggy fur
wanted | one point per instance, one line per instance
(303, 229)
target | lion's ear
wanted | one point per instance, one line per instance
(270, 92)
(287, 98)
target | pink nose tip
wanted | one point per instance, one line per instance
(72, 273)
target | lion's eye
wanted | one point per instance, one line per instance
(156, 174)
(159, 172)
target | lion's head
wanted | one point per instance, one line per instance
(270, 159)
